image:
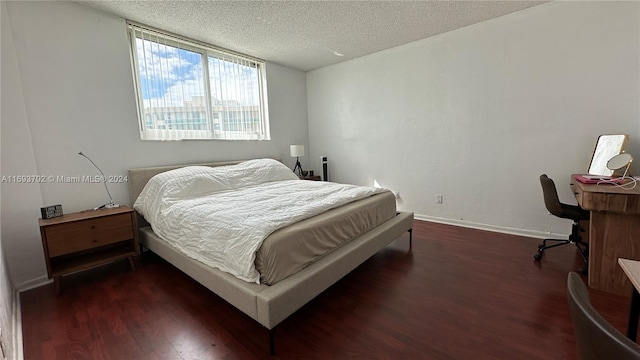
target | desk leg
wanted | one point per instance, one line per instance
(632, 331)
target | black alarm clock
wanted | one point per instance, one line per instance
(52, 211)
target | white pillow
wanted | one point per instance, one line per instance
(195, 181)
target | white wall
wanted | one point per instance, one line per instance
(11, 110)
(74, 82)
(479, 113)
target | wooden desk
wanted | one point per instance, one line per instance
(614, 232)
(631, 268)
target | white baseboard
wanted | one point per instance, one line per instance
(16, 318)
(18, 353)
(34, 283)
(494, 228)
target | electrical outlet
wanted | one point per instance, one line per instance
(438, 199)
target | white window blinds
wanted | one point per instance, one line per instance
(189, 90)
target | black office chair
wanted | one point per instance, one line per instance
(595, 337)
(572, 212)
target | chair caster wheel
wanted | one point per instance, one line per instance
(537, 257)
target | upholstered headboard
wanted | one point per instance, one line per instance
(139, 177)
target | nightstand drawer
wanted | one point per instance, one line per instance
(88, 234)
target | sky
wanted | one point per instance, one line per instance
(169, 76)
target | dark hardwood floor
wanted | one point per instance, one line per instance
(458, 294)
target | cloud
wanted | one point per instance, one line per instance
(173, 77)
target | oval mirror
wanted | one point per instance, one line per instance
(619, 161)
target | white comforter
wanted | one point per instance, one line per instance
(220, 216)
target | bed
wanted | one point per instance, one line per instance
(271, 300)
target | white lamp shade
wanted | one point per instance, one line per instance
(296, 150)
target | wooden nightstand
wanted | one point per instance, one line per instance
(312, 178)
(82, 240)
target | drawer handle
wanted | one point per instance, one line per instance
(93, 226)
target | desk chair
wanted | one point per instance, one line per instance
(595, 337)
(572, 212)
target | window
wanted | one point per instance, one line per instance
(224, 92)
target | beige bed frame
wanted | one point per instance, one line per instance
(270, 305)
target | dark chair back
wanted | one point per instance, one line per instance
(595, 337)
(551, 199)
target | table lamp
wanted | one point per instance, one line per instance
(297, 151)
(110, 204)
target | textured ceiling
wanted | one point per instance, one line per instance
(307, 35)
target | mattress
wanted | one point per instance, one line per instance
(290, 249)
